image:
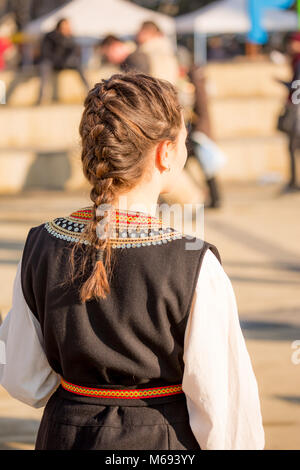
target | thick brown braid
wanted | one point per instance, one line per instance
(102, 192)
(123, 119)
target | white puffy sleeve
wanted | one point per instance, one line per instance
(219, 383)
(24, 370)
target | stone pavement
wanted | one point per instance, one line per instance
(257, 232)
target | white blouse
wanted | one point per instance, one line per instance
(219, 382)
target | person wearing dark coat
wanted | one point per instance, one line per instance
(59, 52)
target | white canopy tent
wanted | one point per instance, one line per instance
(230, 16)
(97, 18)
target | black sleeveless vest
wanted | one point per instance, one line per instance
(134, 337)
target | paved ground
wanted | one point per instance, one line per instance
(257, 232)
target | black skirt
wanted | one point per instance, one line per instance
(72, 422)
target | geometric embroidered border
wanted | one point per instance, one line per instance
(126, 394)
(147, 231)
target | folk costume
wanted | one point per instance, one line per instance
(160, 364)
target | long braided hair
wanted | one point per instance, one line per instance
(124, 118)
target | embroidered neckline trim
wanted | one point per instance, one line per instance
(119, 216)
(128, 229)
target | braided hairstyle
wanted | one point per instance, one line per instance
(124, 118)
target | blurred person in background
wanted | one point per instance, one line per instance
(289, 120)
(192, 90)
(3, 7)
(185, 88)
(59, 51)
(159, 49)
(206, 151)
(216, 50)
(22, 13)
(5, 44)
(118, 52)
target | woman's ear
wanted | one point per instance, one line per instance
(163, 151)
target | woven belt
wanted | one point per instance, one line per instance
(127, 394)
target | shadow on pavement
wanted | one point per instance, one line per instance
(262, 245)
(18, 433)
(270, 331)
(11, 245)
(290, 399)
(263, 280)
(50, 170)
(267, 265)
